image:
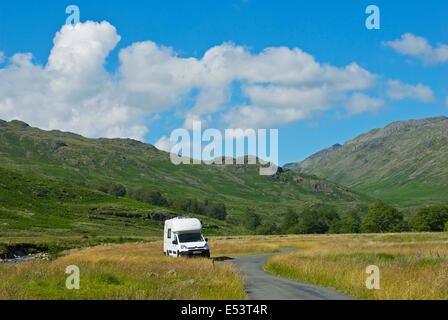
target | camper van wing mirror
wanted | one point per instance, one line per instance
(174, 241)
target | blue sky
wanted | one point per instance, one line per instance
(332, 32)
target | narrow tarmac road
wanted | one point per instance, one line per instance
(261, 285)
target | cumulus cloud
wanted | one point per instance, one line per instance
(420, 48)
(72, 91)
(313, 98)
(262, 117)
(275, 78)
(278, 85)
(276, 105)
(360, 102)
(165, 144)
(398, 90)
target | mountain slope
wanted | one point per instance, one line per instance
(85, 161)
(404, 163)
(32, 205)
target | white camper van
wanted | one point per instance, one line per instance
(182, 237)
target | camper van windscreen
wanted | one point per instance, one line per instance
(190, 237)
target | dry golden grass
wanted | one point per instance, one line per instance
(239, 246)
(412, 266)
(127, 271)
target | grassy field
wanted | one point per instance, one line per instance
(412, 266)
(125, 271)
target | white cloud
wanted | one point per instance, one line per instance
(313, 98)
(275, 78)
(73, 91)
(275, 105)
(397, 90)
(261, 117)
(420, 48)
(360, 102)
(165, 144)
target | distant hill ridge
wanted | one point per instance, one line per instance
(404, 163)
(84, 161)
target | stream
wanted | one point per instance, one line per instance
(18, 259)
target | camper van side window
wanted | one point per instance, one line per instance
(169, 233)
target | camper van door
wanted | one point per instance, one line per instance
(170, 241)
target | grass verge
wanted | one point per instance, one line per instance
(122, 271)
(412, 266)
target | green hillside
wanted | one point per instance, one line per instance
(82, 161)
(35, 206)
(404, 163)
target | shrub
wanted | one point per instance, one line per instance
(251, 219)
(217, 211)
(198, 207)
(182, 204)
(117, 190)
(316, 221)
(429, 219)
(267, 228)
(289, 221)
(349, 224)
(149, 196)
(382, 218)
(112, 188)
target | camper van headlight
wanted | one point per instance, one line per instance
(183, 247)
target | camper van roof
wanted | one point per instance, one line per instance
(180, 224)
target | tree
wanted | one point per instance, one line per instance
(197, 207)
(349, 224)
(112, 188)
(149, 196)
(446, 226)
(328, 216)
(251, 219)
(289, 221)
(182, 204)
(218, 211)
(431, 218)
(382, 218)
(316, 220)
(267, 228)
(312, 221)
(117, 190)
